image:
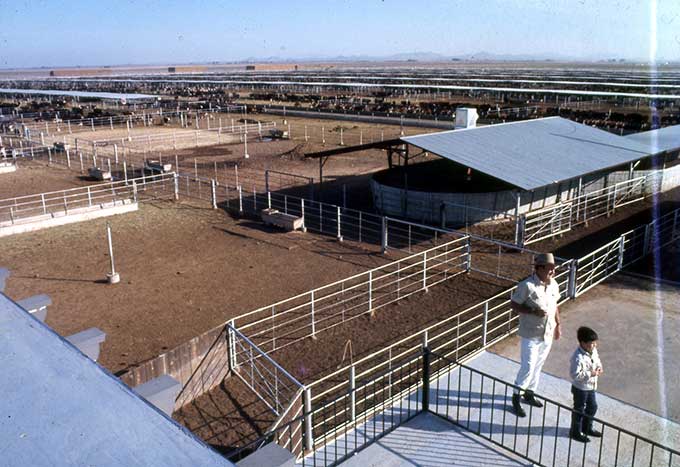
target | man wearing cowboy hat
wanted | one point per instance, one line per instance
(535, 299)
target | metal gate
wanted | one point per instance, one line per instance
(545, 223)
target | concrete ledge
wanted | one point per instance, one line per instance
(7, 167)
(88, 341)
(4, 274)
(31, 224)
(271, 455)
(36, 305)
(161, 392)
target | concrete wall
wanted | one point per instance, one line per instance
(181, 363)
(475, 207)
(45, 221)
(462, 207)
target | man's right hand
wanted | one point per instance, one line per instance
(539, 312)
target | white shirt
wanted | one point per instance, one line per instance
(535, 294)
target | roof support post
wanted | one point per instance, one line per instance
(320, 178)
(518, 195)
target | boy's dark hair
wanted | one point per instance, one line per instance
(585, 334)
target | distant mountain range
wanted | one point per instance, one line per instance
(411, 56)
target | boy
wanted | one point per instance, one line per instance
(586, 367)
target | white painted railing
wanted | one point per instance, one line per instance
(21, 208)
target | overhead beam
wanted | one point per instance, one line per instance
(361, 147)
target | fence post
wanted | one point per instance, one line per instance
(571, 287)
(370, 292)
(68, 159)
(425, 271)
(231, 346)
(468, 251)
(352, 393)
(240, 200)
(213, 193)
(134, 190)
(269, 200)
(42, 198)
(622, 240)
(312, 314)
(339, 235)
(383, 236)
(175, 181)
(485, 322)
(426, 379)
(302, 205)
(520, 223)
(125, 171)
(307, 397)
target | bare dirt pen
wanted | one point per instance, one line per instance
(35, 177)
(320, 134)
(215, 416)
(184, 270)
(231, 414)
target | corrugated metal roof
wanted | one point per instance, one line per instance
(533, 153)
(663, 139)
(91, 94)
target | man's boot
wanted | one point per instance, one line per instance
(531, 400)
(588, 428)
(517, 406)
(578, 436)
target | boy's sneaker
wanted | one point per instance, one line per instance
(578, 436)
(517, 406)
(531, 400)
(594, 433)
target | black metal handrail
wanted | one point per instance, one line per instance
(644, 450)
(337, 438)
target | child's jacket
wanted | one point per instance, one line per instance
(582, 365)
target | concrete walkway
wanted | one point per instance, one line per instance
(429, 440)
(638, 321)
(543, 435)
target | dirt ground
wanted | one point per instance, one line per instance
(184, 270)
(215, 416)
(35, 177)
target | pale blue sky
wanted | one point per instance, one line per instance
(100, 32)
